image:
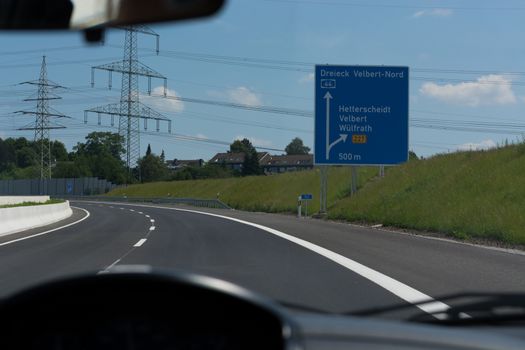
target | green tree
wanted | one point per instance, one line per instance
(296, 146)
(101, 142)
(77, 168)
(101, 154)
(7, 154)
(241, 146)
(250, 165)
(163, 156)
(26, 157)
(58, 151)
(152, 168)
(148, 151)
(412, 156)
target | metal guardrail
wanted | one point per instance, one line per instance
(205, 203)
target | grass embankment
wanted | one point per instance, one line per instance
(465, 195)
(29, 204)
(275, 193)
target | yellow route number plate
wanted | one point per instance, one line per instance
(359, 138)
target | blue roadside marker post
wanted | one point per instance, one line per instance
(303, 198)
(361, 117)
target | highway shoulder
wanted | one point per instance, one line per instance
(77, 216)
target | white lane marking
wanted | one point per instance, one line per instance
(147, 216)
(140, 212)
(140, 242)
(109, 267)
(152, 220)
(401, 290)
(49, 231)
(152, 228)
(111, 206)
(121, 208)
(131, 210)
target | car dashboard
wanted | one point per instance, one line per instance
(137, 308)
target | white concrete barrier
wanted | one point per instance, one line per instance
(8, 200)
(24, 218)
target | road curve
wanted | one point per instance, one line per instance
(268, 264)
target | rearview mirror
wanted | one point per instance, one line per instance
(86, 14)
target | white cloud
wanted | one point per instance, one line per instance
(486, 90)
(163, 104)
(472, 146)
(307, 78)
(257, 142)
(437, 12)
(245, 96)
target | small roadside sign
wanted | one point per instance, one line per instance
(305, 197)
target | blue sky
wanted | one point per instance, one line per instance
(482, 42)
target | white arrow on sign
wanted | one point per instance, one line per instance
(342, 137)
(327, 97)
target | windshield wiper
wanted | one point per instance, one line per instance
(466, 309)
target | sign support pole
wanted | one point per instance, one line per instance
(306, 209)
(324, 189)
(354, 180)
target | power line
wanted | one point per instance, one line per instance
(396, 6)
(60, 63)
(429, 123)
(267, 109)
(302, 65)
(180, 137)
(60, 48)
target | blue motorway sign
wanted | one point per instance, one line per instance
(307, 196)
(361, 115)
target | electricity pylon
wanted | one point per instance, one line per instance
(43, 124)
(129, 110)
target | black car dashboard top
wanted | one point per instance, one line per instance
(139, 310)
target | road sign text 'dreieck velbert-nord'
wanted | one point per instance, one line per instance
(361, 115)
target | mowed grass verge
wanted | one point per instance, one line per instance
(274, 193)
(30, 204)
(465, 195)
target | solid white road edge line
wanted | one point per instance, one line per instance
(401, 290)
(140, 242)
(49, 231)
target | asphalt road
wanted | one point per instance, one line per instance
(259, 259)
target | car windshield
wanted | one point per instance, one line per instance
(336, 155)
